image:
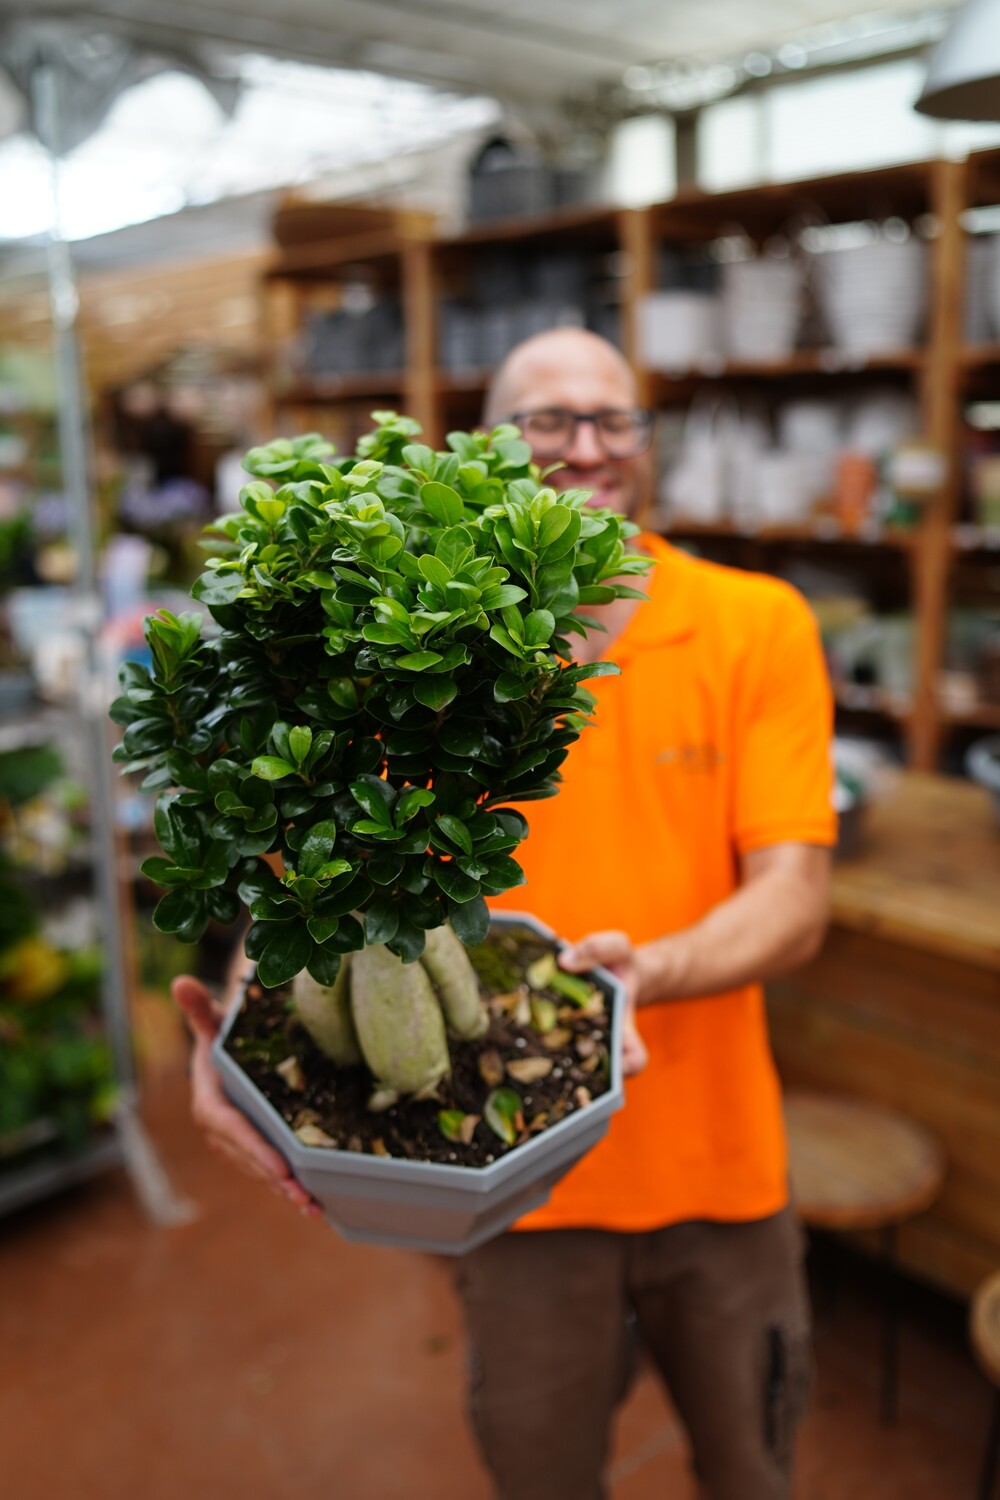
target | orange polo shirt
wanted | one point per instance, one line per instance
(715, 740)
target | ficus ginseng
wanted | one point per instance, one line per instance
(382, 667)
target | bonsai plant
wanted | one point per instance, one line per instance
(386, 670)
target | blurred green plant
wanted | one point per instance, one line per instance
(55, 1064)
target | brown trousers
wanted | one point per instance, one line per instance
(721, 1309)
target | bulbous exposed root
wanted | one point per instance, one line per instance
(398, 1021)
(325, 1012)
(454, 979)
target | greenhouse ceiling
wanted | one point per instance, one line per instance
(528, 52)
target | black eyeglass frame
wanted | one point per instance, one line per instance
(646, 415)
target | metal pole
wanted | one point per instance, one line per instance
(147, 1175)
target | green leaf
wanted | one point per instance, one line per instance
(164, 872)
(408, 944)
(389, 633)
(322, 928)
(505, 639)
(470, 920)
(411, 801)
(215, 588)
(419, 456)
(454, 548)
(572, 675)
(300, 742)
(442, 502)
(553, 524)
(455, 830)
(179, 832)
(382, 920)
(504, 596)
(434, 570)
(373, 830)
(184, 913)
(504, 1114)
(460, 737)
(271, 768)
(368, 793)
(508, 688)
(418, 661)
(538, 628)
(317, 846)
(454, 882)
(434, 692)
(286, 954)
(385, 867)
(450, 1122)
(324, 965)
(514, 453)
(223, 906)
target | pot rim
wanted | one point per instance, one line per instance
(511, 1163)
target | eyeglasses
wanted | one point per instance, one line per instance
(552, 431)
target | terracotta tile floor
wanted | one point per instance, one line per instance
(253, 1354)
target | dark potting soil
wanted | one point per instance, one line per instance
(316, 1095)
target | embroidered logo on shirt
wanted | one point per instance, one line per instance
(692, 757)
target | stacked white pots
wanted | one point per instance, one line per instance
(678, 330)
(761, 308)
(873, 296)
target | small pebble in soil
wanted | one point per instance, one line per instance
(519, 1041)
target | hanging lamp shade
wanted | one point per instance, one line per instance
(963, 81)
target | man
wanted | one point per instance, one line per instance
(689, 850)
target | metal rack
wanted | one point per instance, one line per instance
(126, 1142)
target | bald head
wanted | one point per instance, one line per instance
(543, 363)
(569, 370)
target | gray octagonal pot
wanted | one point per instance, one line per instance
(426, 1205)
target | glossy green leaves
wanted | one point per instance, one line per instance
(387, 667)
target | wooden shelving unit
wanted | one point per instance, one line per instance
(422, 270)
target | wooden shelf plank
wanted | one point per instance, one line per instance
(589, 216)
(328, 256)
(801, 362)
(975, 356)
(978, 716)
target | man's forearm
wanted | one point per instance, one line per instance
(767, 927)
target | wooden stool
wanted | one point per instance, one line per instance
(984, 1328)
(855, 1165)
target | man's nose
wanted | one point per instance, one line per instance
(585, 451)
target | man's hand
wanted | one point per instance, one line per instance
(613, 951)
(228, 1132)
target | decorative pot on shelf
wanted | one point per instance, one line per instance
(431, 1206)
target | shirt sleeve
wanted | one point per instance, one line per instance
(784, 768)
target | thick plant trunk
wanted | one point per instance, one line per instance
(325, 1012)
(454, 979)
(399, 1023)
(393, 1016)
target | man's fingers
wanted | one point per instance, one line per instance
(605, 948)
(195, 1000)
(634, 1054)
(218, 1118)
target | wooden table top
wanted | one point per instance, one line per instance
(855, 1165)
(984, 1326)
(929, 871)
